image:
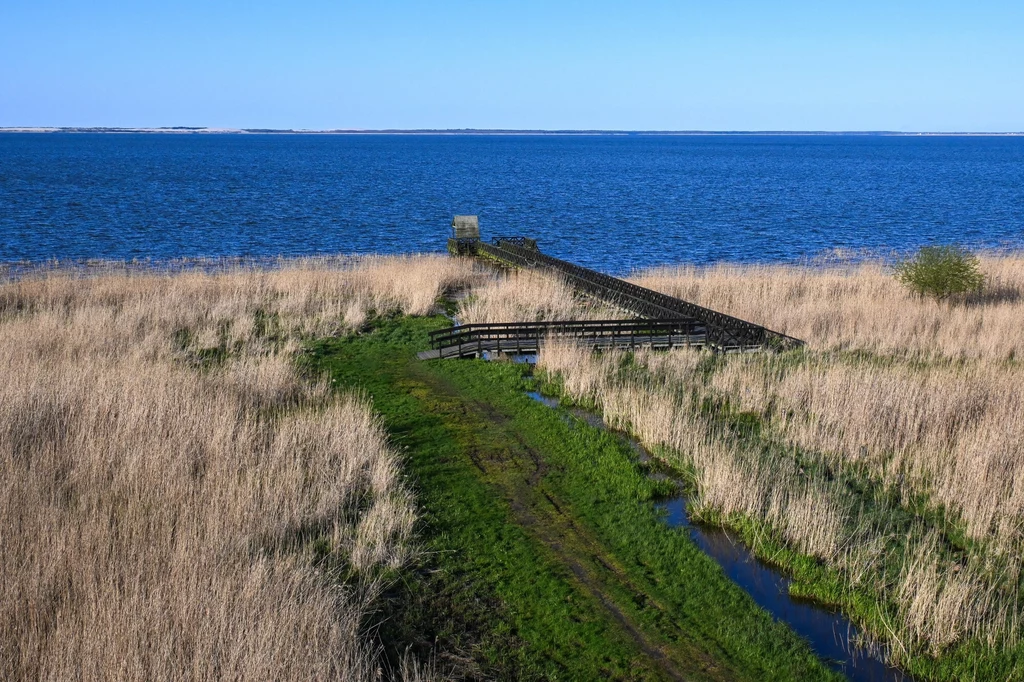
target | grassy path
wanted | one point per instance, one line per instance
(545, 558)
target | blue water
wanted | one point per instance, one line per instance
(614, 203)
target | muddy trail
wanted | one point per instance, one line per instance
(518, 472)
(545, 556)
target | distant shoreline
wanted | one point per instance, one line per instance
(198, 130)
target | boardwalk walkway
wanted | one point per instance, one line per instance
(473, 340)
(666, 322)
(723, 332)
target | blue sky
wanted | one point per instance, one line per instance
(728, 65)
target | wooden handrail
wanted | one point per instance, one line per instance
(724, 331)
(471, 333)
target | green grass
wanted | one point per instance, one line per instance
(868, 603)
(544, 557)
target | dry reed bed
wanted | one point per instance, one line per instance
(943, 413)
(177, 503)
(528, 296)
(939, 601)
(860, 307)
(940, 414)
(955, 432)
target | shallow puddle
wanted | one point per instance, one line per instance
(829, 633)
(550, 402)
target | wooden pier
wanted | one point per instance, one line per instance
(724, 331)
(473, 340)
(684, 323)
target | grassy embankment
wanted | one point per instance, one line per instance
(544, 556)
(882, 466)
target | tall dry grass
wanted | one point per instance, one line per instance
(176, 502)
(939, 601)
(528, 296)
(941, 413)
(860, 306)
(954, 432)
(906, 395)
(732, 479)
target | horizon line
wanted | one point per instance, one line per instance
(481, 131)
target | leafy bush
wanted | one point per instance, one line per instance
(941, 271)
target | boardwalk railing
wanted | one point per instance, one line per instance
(724, 332)
(526, 337)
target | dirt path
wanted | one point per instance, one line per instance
(518, 472)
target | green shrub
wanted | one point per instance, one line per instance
(941, 272)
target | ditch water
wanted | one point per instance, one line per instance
(831, 635)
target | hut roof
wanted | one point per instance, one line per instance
(466, 227)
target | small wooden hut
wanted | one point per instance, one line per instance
(466, 227)
(465, 235)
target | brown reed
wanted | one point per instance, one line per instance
(176, 502)
(861, 306)
(922, 398)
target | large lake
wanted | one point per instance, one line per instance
(610, 202)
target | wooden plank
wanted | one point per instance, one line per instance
(724, 331)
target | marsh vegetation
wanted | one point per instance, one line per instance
(177, 501)
(197, 480)
(883, 465)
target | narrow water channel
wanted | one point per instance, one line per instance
(831, 635)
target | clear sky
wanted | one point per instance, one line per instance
(722, 65)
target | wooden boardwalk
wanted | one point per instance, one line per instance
(665, 321)
(473, 340)
(724, 332)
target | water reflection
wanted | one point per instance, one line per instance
(829, 632)
(550, 402)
